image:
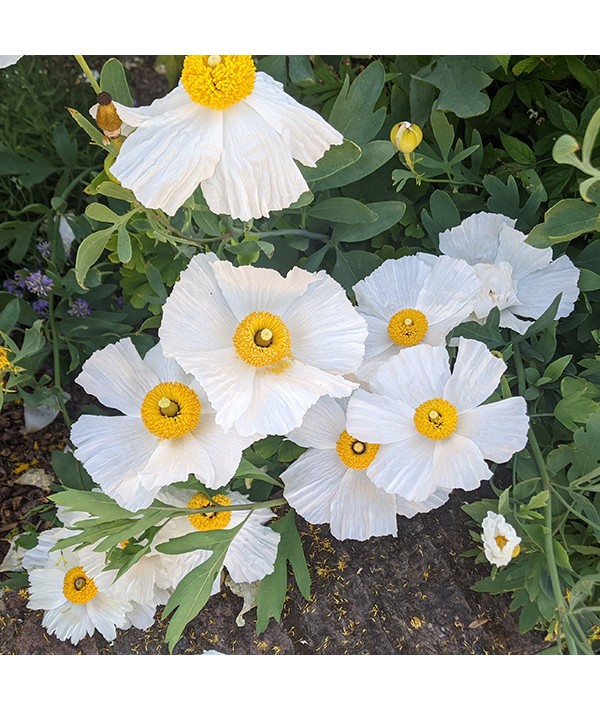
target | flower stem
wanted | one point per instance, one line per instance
(548, 538)
(272, 504)
(295, 233)
(56, 354)
(88, 72)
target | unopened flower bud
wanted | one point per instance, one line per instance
(107, 117)
(406, 136)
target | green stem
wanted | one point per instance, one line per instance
(273, 503)
(548, 539)
(295, 233)
(183, 238)
(56, 354)
(88, 72)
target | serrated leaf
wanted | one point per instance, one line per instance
(353, 112)
(273, 588)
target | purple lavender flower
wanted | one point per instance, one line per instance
(38, 283)
(44, 249)
(80, 308)
(40, 306)
(13, 287)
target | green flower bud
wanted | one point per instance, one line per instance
(406, 136)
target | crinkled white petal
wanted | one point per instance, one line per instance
(37, 557)
(475, 376)
(247, 288)
(393, 286)
(413, 375)
(256, 173)
(167, 156)
(458, 464)
(536, 291)
(495, 525)
(405, 468)
(107, 614)
(522, 257)
(311, 482)
(360, 510)
(46, 588)
(412, 508)
(303, 131)
(70, 622)
(499, 429)
(251, 554)
(379, 419)
(322, 424)
(476, 239)
(280, 399)
(7, 60)
(118, 377)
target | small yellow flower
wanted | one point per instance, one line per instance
(406, 136)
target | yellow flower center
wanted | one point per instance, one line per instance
(436, 419)
(262, 339)
(77, 587)
(218, 81)
(4, 362)
(501, 541)
(354, 453)
(209, 521)
(171, 410)
(408, 327)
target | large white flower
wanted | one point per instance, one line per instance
(252, 552)
(264, 347)
(231, 130)
(432, 428)
(500, 540)
(329, 483)
(412, 300)
(167, 432)
(7, 60)
(521, 280)
(75, 603)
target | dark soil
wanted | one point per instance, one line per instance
(406, 595)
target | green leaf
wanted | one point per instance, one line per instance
(301, 71)
(461, 80)
(374, 155)
(526, 66)
(353, 112)
(70, 472)
(586, 77)
(575, 410)
(443, 132)
(113, 190)
(101, 213)
(247, 470)
(561, 556)
(554, 370)
(351, 267)
(488, 333)
(520, 152)
(199, 540)
(93, 132)
(156, 281)
(342, 209)
(563, 222)
(589, 139)
(192, 594)
(113, 80)
(89, 253)
(443, 214)
(389, 213)
(273, 588)
(124, 251)
(539, 501)
(289, 451)
(335, 159)
(9, 315)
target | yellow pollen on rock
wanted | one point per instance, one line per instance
(262, 339)
(78, 587)
(354, 453)
(171, 410)
(436, 419)
(218, 81)
(408, 327)
(209, 521)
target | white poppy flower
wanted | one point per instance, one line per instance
(264, 347)
(500, 540)
(75, 603)
(329, 483)
(252, 552)
(231, 130)
(7, 60)
(521, 280)
(167, 432)
(412, 300)
(432, 428)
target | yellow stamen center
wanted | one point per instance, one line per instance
(4, 362)
(218, 81)
(408, 327)
(436, 419)
(209, 521)
(354, 453)
(78, 587)
(262, 339)
(171, 410)
(501, 541)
